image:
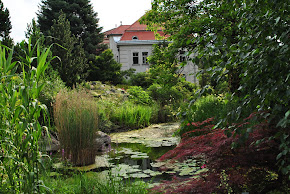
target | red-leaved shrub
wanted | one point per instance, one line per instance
(228, 168)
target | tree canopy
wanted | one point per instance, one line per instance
(83, 21)
(245, 42)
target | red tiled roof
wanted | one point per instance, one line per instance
(136, 26)
(136, 29)
(142, 35)
(119, 30)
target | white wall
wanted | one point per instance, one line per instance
(126, 56)
(113, 46)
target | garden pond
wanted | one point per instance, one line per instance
(134, 154)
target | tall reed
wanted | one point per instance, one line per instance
(20, 121)
(76, 119)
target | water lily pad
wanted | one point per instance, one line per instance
(140, 175)
(139, 156)
(135, 166)
(152, 173)
(153, 185)
(201, 171)
(133, 170)
(187, 171)
(170, 172)
(157, 164)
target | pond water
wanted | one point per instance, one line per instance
(133, 160)
(134, 154)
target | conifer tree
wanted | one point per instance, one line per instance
(72, 63)
(5, 25)
(83, 21)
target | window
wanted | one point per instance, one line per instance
(135, 58)
(134, 38)
(144, 58)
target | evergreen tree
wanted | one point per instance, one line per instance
(72, 61)
(5, 25)
(83, 21)
(106, 68)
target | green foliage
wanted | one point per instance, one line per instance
(187, 89)
(245, 43)
(94, 183)
(72, 61)
(105, 68)
(82, 18)
(53, 85)
(139, 96)
(140, 79)
(134, 116)
(205, 107)
(163, 65)
(75, 117)
(33, 32)
(165, 95)
(5, 25)
(20, 121)
(128, 73)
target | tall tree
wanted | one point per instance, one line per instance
(5, 25)
(83, 21)
(72, 63)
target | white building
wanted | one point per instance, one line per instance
(132, 44)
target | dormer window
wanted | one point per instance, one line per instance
(134, 38)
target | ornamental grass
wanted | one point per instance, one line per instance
(76, 119)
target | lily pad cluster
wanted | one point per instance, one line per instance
(190, 167)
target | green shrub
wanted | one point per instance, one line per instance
(138, 95)
(76, 119)
(187, 89)
(140, 79)
(165, 95)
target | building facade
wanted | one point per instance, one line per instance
(132, 44)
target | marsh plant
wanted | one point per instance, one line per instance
(134, 115)
(76, 120)
(21, 118)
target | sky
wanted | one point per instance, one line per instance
(110, 13)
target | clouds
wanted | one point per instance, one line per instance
(110, 13)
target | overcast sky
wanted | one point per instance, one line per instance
(110, 13)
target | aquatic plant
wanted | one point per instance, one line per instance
(76, 119)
